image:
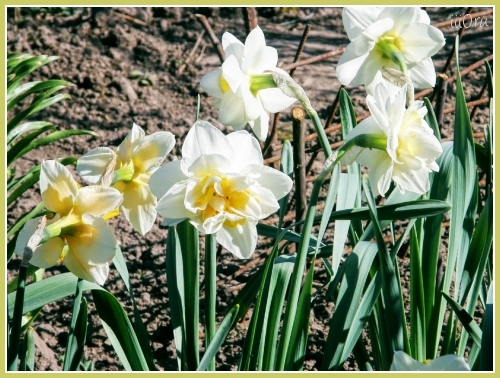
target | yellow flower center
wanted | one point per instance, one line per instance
(387, 45)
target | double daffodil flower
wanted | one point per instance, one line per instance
(390, 37)
(221, 186)
(409, 147)
(78, 234)
(243, 87)
(137, 157)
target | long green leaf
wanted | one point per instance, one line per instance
(51, 138)
(115, 320)
(175, 284)
(467, 320)
(189, 243)
(275, 297)
(119, 330)
(27, 89)
(417, 299)
(487, 344)
(139, 327)
(76, 343)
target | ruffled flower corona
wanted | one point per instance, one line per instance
(388, 37)
(221, 186)
(449, 362)
(137, 157)
(243, 87)
(78, 234)
(411, 148)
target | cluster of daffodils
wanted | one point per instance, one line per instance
(390, 53)
(220, 185)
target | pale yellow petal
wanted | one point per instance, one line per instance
(97, 200)
(57, 186)
(48, 254)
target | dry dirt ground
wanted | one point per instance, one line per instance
(99, 48)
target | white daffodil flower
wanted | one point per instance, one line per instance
(450, 362)
(411, 148)
(77, 235)
(388, 37)
(137, 157)
(221, 186)
(243, 87)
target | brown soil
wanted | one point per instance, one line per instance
(98, 49)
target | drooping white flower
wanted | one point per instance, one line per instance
(221, 186)
(378, 35)
(137, 157)
(77, 235)
(450, 362)
(242, 94)
(411, 148)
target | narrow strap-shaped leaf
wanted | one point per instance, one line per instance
(28, 358)
(417, 300)
(77, 331)
(430, 118)
(139, 327)
(467, 320)
(357, 268)
(276, 292)
(189, 243)
(25, 143)
(210, 291)
(487, 344)
(286, 166)
(175, 284)
(297, 352)
(51, 138)
(119, 330)
(27, 89)
(26, 127)
(391, 291)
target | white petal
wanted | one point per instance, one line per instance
(400, 16)
(381, 167)
(233, 74)
(48, 254)
(403, 362)
(202, 139)
(211, 83)
(372, 33)
(239, 239)
(420, 41)
(416, 181)
(97, 200)
(228, 38)
(213, 224)
(274, 100)
(257, 57)
(349, 70)
(124, 150)
(235, 49)
(210, 164)
(267, 201)
(357, 19)
(423, 74)
(151, 151)
(171, 205)
(247, 149)
(165, 177)
(276, 181)
(253, 107)
(93, 164)
(260, 126)
(232, 111)
(367, 126)
(448, 362)
(57, 186)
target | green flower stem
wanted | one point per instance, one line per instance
(210, 293)
(69, 362)
(17, 317)
(323, 139)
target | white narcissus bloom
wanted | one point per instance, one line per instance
(221, 186)
(376, 33)
(77, 235)
(241, 94)
(411, 149)
(450, 362)
(137, 157)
